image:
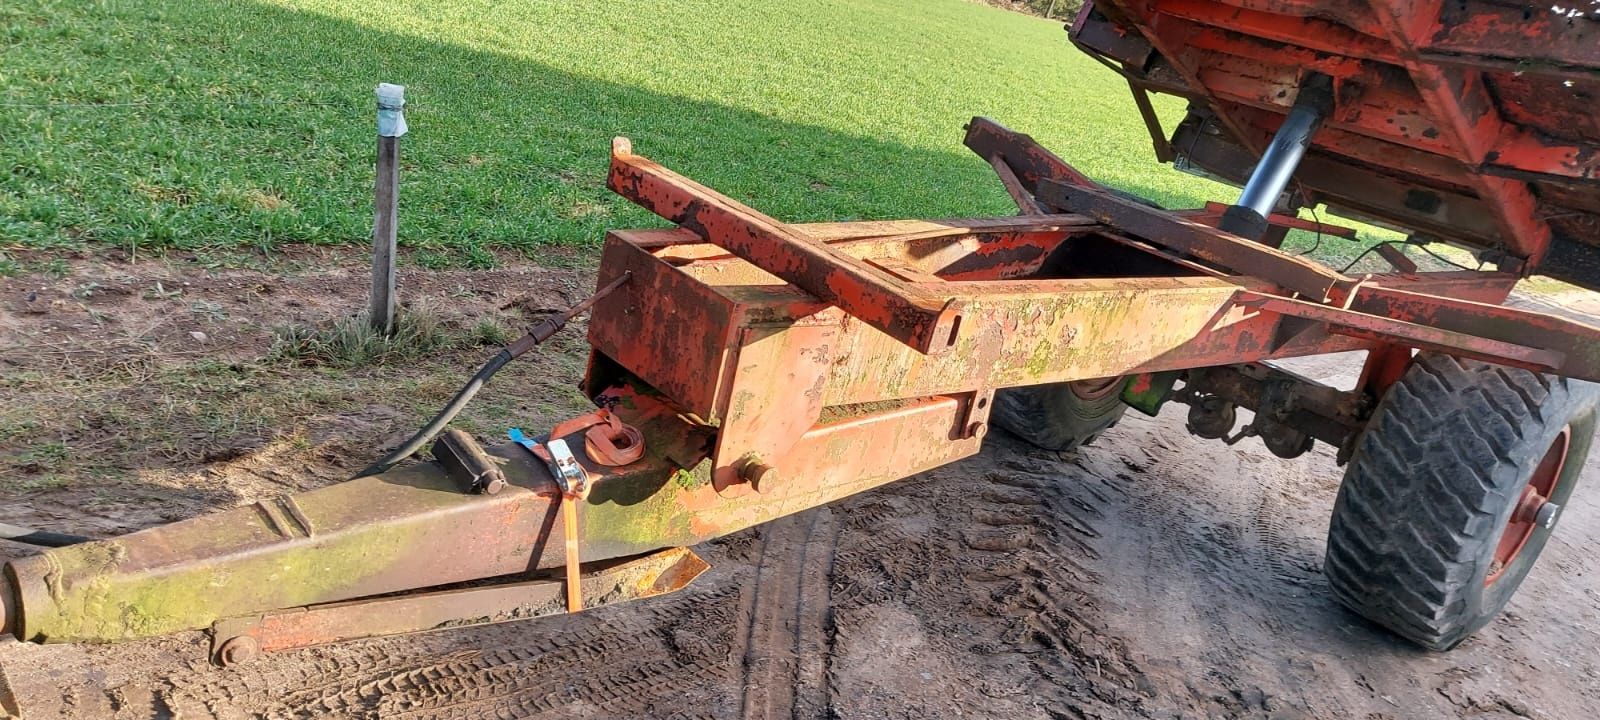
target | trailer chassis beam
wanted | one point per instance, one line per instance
(762, 385)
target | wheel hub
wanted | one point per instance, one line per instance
(1534, 511)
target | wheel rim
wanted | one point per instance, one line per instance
(1095, 389)
(1525, 520)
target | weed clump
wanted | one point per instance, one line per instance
(420, 330)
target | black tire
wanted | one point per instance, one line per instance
(1060, 416)
(1433, 482)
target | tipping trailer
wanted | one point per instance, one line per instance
(745, 369)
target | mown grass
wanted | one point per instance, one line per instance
(206, 124)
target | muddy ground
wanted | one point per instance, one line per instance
(1150, 575)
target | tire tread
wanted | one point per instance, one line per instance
(1422, 489)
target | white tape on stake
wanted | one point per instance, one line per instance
(391, 110)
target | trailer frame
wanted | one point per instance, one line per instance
(768, 368)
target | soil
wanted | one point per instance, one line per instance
(1153, 574)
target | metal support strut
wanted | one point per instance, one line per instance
(1248, 217)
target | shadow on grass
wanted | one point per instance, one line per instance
(505, 152)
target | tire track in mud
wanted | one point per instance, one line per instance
(786, 620)
(1005, 570)
(1215, 546)
(1053, 599)
(621, 664)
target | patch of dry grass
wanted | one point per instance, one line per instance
(96, 413)
(349, 342)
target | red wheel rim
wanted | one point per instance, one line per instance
(1523, 521)
(1095, 389)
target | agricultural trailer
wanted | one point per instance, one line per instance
(744, 369)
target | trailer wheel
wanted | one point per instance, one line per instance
(1452, 492)
(1060, 416)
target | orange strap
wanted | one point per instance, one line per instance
(569, 515)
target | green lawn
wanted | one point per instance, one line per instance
(211, 124)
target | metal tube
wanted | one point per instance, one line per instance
(1278, 164)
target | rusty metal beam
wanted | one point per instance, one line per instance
(1317, 33)
(1426, 337)
(1522, 154)
(398, 531)
(1466, 115)
(1577, 343)
(1201, 241)
(927, 323)
(1211, 214)
(1028, 160)
(236, 640)
(1535, 38)
(1353, 14)
(411, 528)
(1025, 331)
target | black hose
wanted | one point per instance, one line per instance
(537, 334)
(30, 536)
(438, 423)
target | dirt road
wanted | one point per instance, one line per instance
(1150, 575)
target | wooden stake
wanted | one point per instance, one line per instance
(385, 206)
(385, 195)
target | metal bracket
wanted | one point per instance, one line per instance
(1147, 392)
(467, 463)
(237, 640)
(974, 422)
(569, 474)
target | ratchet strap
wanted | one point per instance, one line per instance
(606, 441)
(574, 483)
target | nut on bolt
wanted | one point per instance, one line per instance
(754, 471)
(1546, 516)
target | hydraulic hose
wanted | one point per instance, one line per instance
(443, 418)
(537, 334)
(30, 536)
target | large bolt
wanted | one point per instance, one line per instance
(752, 470)
(1545, 517)
(1535, 508)
(237, 650)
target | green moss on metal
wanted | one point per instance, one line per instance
(225, 565)
(95, 601)
(659, 520)
(685, 480)
(1039, 360)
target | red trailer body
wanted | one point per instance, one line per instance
(1476, 122)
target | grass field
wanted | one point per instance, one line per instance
(211, 125)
